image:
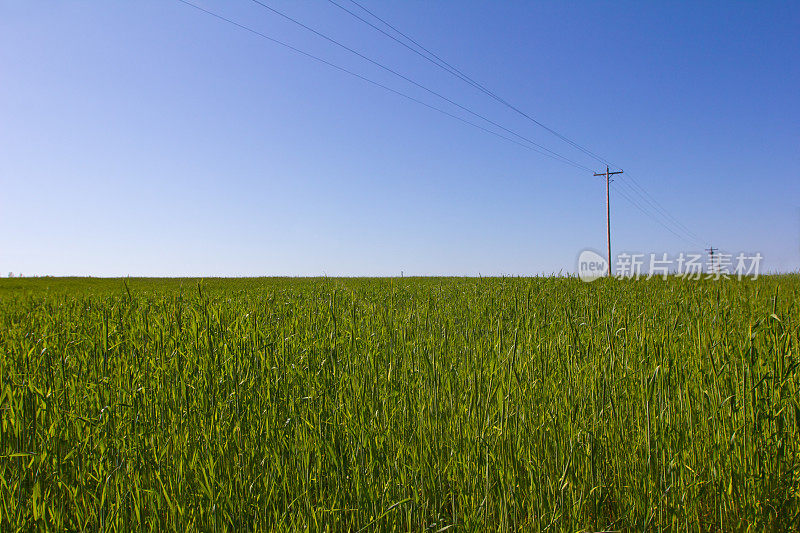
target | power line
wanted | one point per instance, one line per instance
(638, 206)
(647, 213)
(656, 205)
(437, 60)
(548, 153)
(656, 215)
(456, 72)
(409, 80)
(531, 144)
(434, 60)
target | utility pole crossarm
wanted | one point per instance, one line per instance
(608, 175)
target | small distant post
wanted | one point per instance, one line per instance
(608, 175)
(711, 251)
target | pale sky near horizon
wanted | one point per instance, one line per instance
(148, 138)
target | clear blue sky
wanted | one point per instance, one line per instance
(147, 138)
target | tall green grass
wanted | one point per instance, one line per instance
(411, 404)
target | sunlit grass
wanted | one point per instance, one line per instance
(405, 404)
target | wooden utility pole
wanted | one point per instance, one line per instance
(711, 251)
(608, 175)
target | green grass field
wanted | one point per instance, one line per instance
(419, 404)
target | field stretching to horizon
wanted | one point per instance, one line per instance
(411, 404)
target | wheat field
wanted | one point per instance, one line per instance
(414, 404)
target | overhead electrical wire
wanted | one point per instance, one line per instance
(634, 183)
(637, 188)
(456, 72)
(406, 78)
(535, 148)
(649, 214)
(653, 211)
(428, 56)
